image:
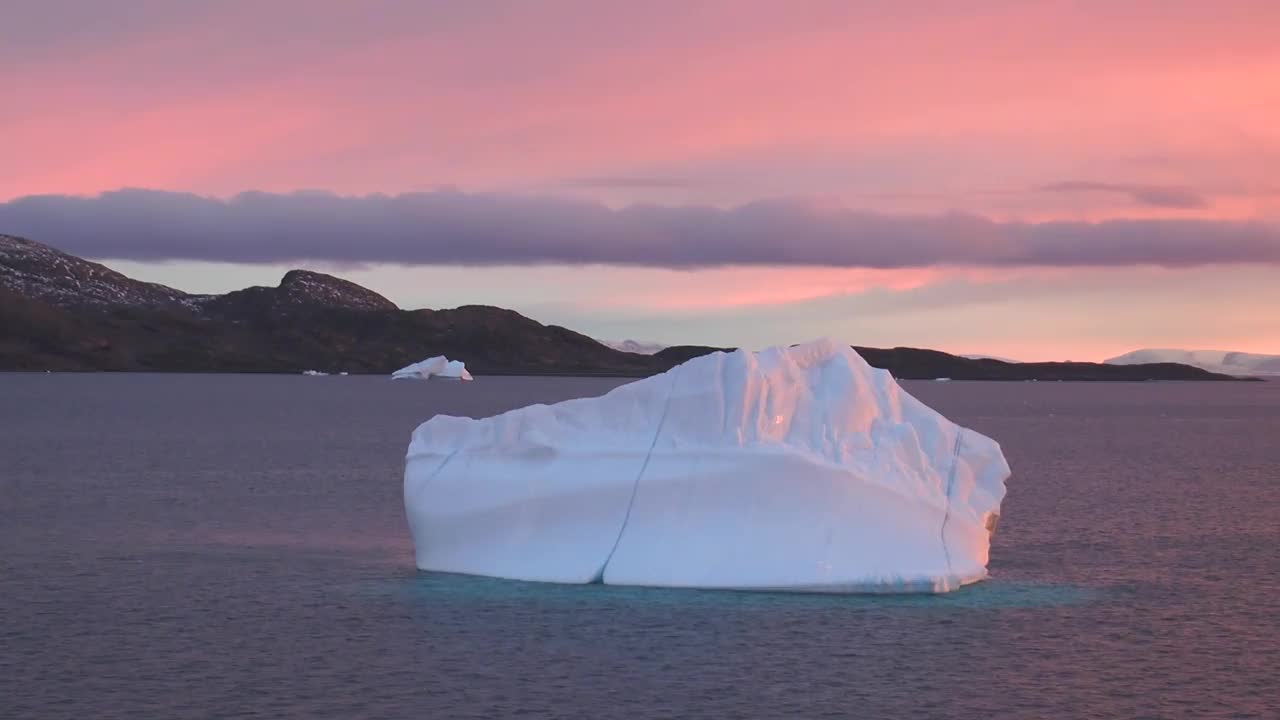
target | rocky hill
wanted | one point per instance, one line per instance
(60, 312)
(39, 272)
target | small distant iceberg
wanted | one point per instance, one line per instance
(433, 367)
(314, 373)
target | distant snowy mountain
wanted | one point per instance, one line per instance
(1219, 361)
(635, 346)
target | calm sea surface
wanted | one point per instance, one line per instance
(177, 546)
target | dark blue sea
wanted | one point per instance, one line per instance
(219, 546)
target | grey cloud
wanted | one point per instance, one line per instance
(455, 228)
(1163, 196)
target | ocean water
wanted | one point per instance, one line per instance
(186, 546)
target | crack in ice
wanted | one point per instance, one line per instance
(946, 516)
(635, 486)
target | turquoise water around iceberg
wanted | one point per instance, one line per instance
(991, 595)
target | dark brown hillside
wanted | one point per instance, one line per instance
(59, 312)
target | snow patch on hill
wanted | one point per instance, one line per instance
(991, 357)
(635, 346)
(1228, 362)
(42, 273)
(39, 272)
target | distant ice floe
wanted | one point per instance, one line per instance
(314, 373)
(799, 469)
(433, 367)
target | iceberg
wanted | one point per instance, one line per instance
(455, 370)
(792, 469)
(438, 367)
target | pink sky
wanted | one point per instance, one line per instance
(1008, 110)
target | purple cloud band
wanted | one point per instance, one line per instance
(455, 228)
(1163, 196)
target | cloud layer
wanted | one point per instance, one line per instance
(1161, 196)
(454, 228)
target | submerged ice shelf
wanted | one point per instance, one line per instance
(801, 469)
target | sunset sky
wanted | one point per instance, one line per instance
(1037, 180)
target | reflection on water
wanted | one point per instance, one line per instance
(434, 588)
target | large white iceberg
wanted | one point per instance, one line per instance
(438, 367)
(800, 469)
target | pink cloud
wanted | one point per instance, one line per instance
(322, 95)
(739, 288)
